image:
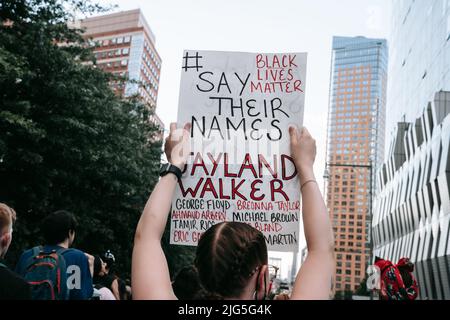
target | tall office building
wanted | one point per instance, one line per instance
(355, 146)
(125, 45)
(412, 207)
(419, 64)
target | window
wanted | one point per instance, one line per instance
(119, 40)
(124, 63)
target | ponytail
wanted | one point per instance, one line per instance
(187, 286)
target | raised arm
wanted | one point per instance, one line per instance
(150, 273)
(314, 280)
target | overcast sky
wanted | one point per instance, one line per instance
(259, 26)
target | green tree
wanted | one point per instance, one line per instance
(66, 140)
(343, 295)
(339, 295)
(362, 289)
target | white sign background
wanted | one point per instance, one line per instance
(240, 106)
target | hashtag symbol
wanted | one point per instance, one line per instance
(187, 58)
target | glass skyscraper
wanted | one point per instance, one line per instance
(412, 206)
(355, 147)
(419, 57)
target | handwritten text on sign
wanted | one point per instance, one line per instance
(240, 106)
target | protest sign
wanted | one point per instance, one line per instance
(240, 106)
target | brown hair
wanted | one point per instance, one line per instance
(7, 217)
(228, 255)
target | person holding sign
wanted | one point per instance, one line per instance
(231, 257)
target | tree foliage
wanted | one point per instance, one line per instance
(362, 289)
(66, 140)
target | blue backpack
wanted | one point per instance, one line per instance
(46, 274)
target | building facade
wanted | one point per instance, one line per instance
(355, 147)
(125, 46)
(419, 63)
(411, 210)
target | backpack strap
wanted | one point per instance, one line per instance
(34, 253)
(36, 250)
(60, 252)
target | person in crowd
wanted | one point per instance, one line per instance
(73, 280)
(12, 286)
(406, 269)
(100, 272)
(397, 281)
(111, 280)
(231, 258)
(110, 261)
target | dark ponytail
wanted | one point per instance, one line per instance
(228, 255)
(186, 286)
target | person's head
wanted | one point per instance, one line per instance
(99, 267)
(110, 260)
(7, 218)
(59, 227)
(406, 264)
(231, 260)
(406, 267)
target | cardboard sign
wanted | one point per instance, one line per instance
(240, 106)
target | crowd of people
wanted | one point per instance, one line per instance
(55, 270)
(231, 260)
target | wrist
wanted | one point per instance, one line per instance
(305, 173)
(171, 169)
(179, 165)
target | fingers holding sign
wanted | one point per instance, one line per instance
(177, 145)
(303, 148)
